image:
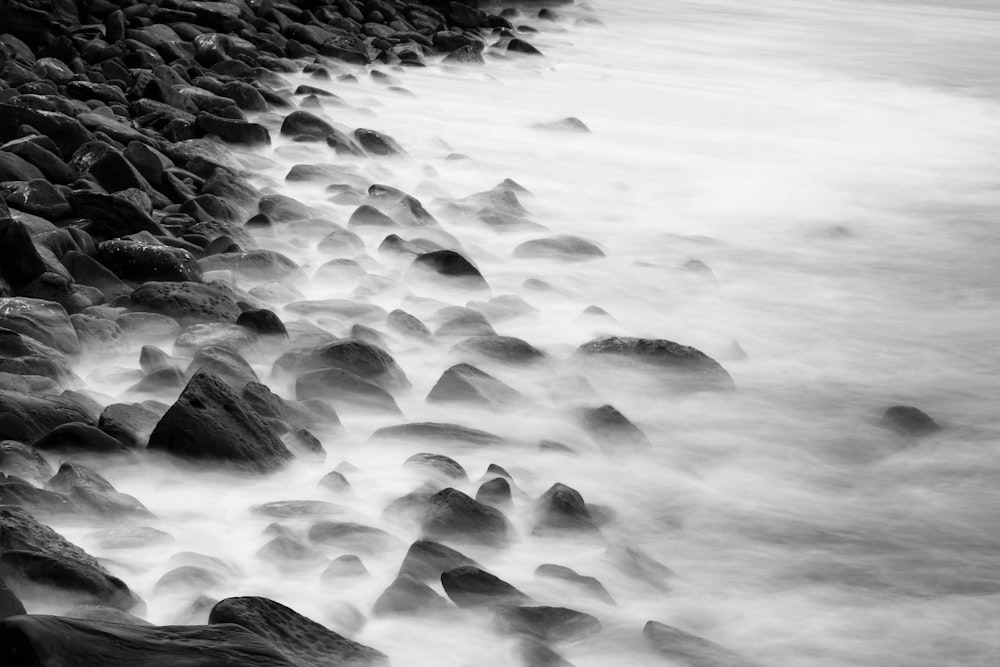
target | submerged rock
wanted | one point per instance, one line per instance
(437, 432)
(678, 645)
(686, 366)
(406, 595)
(547, 623)
(450, 514)
(468, 586)
(909, 421)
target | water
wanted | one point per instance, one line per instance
(834, 164)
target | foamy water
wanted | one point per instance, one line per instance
(835, 165)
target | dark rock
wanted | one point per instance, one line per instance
(209, 422)
(135, 260)
(112, 216)
(452, 266)
(15, 168)
(225, 364)
(104, 613)
(18, 459)
(426, 560)
(336, 482)
(376, 143)
(909, 421)
(67, 133)
(46, 159)
(612, 429)
(518, 45)
(233, 131)
(560, 509)
(303, 641)
(535, 653)
(254, 264)
(26, 418)
(302, 123)
(405, 324)
(547, 623)
(41, 198)
(186, 301)
(64, 642)
(78, 437)
(564, 247)
(347, 566)
(450, 514)
(88, 271)
(439, 464)
(406, 596)
(590, 584)
(437, 433)
(344, 390)
(466, 383)
(284, 209)
(369, 216)
(23, 355)
(271, 406)
(263, 322)
(97, 335)
(468, 586)
(20, 262)
(131, 425)
(44, 321)
(32, 554)
(678, 645)
(303, 443)
(505, 349)
(360, 358)
(164, 381)
(687, 366)
(89, 490)
(464, 55)
(495, 493)
(401, 207)
(350, 536)
(9, 604)
(152, 359)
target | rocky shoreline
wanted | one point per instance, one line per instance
(120, 204)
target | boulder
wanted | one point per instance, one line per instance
(467, 384)
(210, 422)
(562, 509)
(187, 302)
(909, 421)
(225, 364)
(405, 596)
(359, 358)
(611, 429)
(304, 124)
(562, 573)
(346, 566)
(349, 536)
(450, 266)
(20, 262)
(18, 459)
(426, 560)
(551, 624)
(468, 586)
(564, 247)
(269, 405)
(439, 465)
(93, 493)
(129, 424)
(436, 433)
(26, 418)
(77, 437)
(376, 143)
(139, 261)
(45, 321)
(344, 390)
(503, 349)
(450, 514)
(685, 366)
(25, 356)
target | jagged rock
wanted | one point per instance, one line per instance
(688, 367)
(303, 641)
(450, 514)
(547, 623)
(406, 595)
(468, 586)
(466, 383)
(210, 422)
(130, 425)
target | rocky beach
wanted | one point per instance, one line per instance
(541, 334)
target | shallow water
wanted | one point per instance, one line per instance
(834, 165)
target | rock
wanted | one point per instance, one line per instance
(112, 216)
(464, 55)
(32, 555)
(100, 612)
(518, 45)
(45, 321)
(468, 586)
(405, 596)
(297, 509)
(86, 270)
(283, 209)
(639, 565)
(271, 406)
(304, 642)
(687, 367)
(24, 356)
(41, 198)
(438, 464)
(495, 493)
(225, 364)
(535, 653)
(187, 302)
(453, 267)
(303, 443)
(342, 241)
(612, 429)
(97, 335)
(20, 263)
(450, 514)
(547, 623)
(405, 324)
(909, 421)
(26, 418)
(344, 390)
(9, 604)
(426, 561)
(14, 168)
(138, 261)
(94, 493)
(67, 133)
(465, 383)
(376, 143)
(304, 124)
(263, 322)
(16, 491)
(131, 425)
(18, 459)
(216, 334)
(233, 131)
(590, 584)
(464, 322)
(78, 437)
(350, 536)
(336, 482)
(436, 433)
(568, 124)
(505, 349)
(65, 642)
(152, 359)
(359, 358)
(286, 549)
(401, 207)
(209, 422)
(164, 381)
(347, 566)
(564, 247)
(678, 645)
(562, 509)
(253, 264)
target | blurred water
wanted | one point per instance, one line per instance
(835, 165)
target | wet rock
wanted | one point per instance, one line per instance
(231, 337)
(89, 490)
(547, 623)
(18, 459)
(344, 390)
(86, 270)
(568, 124)
(505, 349)
(687, 366)
(435, 432)
(562, 573)
(451, 266)
(210, 422)
(269, 405)
(281, 208)
(304, 124)
(359, 358)
(25, 356)
(406, 596)
(20, 262)
(612, 429)
(63, 642)
(225, 364)
(377, 143)
(148, 326)
(426, 560)
(297, 509)
(562, 509)
(253, 264)
(405, 324)
(438, 464)
(130, 425)
(303, 443)
(678, 645)
(26, 418)
(131, 537)
(450, 514)
(186, 301)
(401, 207)
(369, 216)
(468, 586)
(465, 383)
(342, 241)
(909, 421)
(138, 261)
(287, 549)
(347, 309)
(97, 335)
(116, 215)
(336, 482)
(303, 641)
(14, 168)
(263, 322)
(41, 198)
(32, 554)
(351, 536)
(164, 381)
(564, 247)
(45, 321)
(233, 131)
(104, 613)
(346, 566)
(461, 321)
(16, 491)
(518, 45)
(495, 493)
(464, 55)
(78, 437)
(152, 359)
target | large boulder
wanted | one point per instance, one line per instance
(53, 641)
(303, 641)
(449, 268)
(33, 555)
(23, 355)
(684, 366)
(211, 423)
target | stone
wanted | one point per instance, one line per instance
(78, 437)
(269, 405)
(564, 247)
(518, 45)
(27, 418)
(680, 646)
(436, 432)
(344, 390)
(562, 509)
(129, 424)
(437, 464)
(426, 560)
(495, 493)
(909, 421)
(45, 321)
(685, 366)
(406, 324)
(210, 422)
(451, 266)
(503, 349)
(562, 573)
(304, 124)
(15, 168)
(304, 642)
(139, 261)
(20, 263)
(551, 624)
(346, 566)
(406, 596)
(377, 144)
(95, 494)
(254, 264)
(570, 124)
(359, 358)
(9, 604)
(18, 459)
(97, 335)
(468, 586)
(187, 302)
(23, 355)
(41, 198)
(450, 514)
(225, 364)
(612, 429)
(233, 131)
(349, 536)
(263, 322)
(468, 384)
